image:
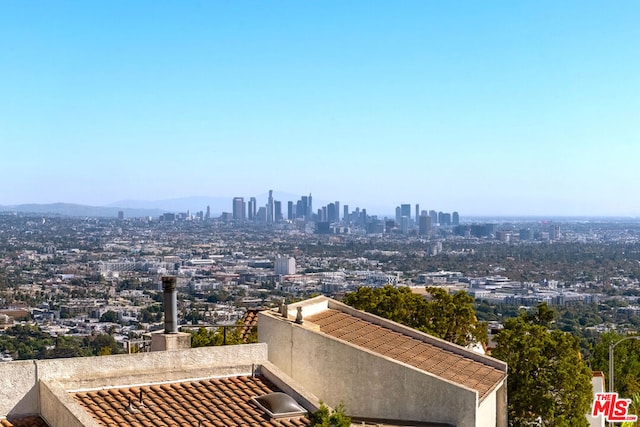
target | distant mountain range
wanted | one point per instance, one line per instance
(75, 210)
(146, 208)
(183, 204)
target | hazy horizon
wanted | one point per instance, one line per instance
(220, 205)
(511, 109)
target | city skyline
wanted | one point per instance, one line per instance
(512, 109)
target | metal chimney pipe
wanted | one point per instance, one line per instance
(170, 305)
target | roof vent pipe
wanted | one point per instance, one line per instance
(170, 305)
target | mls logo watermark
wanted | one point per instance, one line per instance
(615, 410)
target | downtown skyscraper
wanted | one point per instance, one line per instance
(239, 209)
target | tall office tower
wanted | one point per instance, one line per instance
(320, 215)
(455, 218)
(337, 210)
(526, 234)
(290, 213)
(310, 207)
(441, 218)
(404, 224)
(120, 215)
(299, 208)
(434, 217)
(270, 207)
(554, 232)
(239, 209)
(261, 215)
(331, 212)
(253, 207)
(345, 214)
(398, 216)
(277, 211)
(417, 212)
(363, 217)
(303, 211)
(446, 219)
(405, 210)
(207, 216)
(424, 224)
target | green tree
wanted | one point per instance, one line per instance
(25, 342)
(103, 344)
(109, 316)
(203, 337)
(67, 347)
(323, 417)
(151, 314)
(634, 408)
(452, 317)
(548, 380)
(220, 335)
(626, 362)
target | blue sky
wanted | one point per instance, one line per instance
(506, 107)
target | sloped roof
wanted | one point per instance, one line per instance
(250, 323)
(437, 360)
(220, 402)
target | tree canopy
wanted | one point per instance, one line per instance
(29, 342)
(548, 380)
(204, 337)
(450, 317)
(626, 358)
(109, 316)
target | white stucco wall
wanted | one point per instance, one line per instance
(492, 411)
(597, 384)
(368, 384)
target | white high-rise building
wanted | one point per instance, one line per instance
(285, 266)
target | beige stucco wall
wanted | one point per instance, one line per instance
(18, 388)
(20, 394)
(58, 408)
(369, 385)
(177, 341)
(502, 413)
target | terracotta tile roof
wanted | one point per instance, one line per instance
(24, 422)
(250, 322)
(219, 402)
(403, 348)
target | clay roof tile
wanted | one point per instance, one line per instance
(220, 402)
